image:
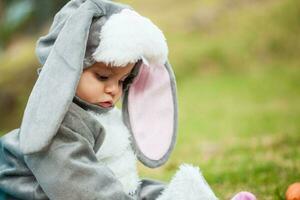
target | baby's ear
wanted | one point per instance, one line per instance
(150, 112)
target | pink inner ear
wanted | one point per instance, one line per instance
(151, 111)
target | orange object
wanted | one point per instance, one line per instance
(293, 192)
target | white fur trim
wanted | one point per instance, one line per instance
(116, 152)
(117, 135)
(188, 184)
(127, 36)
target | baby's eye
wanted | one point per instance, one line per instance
(102, 77)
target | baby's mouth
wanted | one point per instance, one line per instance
(106, 104)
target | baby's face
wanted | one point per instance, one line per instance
(101, 84)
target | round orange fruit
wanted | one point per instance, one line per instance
(293, 192)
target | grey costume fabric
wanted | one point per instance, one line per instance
(52, 155)
(68, 169)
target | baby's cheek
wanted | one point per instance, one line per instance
(85, 92)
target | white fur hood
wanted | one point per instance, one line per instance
(127, 37)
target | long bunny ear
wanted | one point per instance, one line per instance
(45, 43)
(57, 82)
(150, 111)
(149, 104)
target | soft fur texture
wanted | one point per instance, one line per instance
(188, 184)
(116, 151)
(127, 37)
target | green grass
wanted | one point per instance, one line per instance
(242, 129)
(239, 100)
(239, 97)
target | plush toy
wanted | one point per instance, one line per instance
(244, 195)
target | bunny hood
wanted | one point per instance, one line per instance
(123, 36)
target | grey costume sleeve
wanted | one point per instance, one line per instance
(150, 189)
(69, 169)
(16, 180)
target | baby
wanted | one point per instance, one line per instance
(73, 142)
(102, 85)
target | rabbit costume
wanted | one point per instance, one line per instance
(67, 148)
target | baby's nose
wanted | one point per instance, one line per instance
(112, 88)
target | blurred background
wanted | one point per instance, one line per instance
(238, 71)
